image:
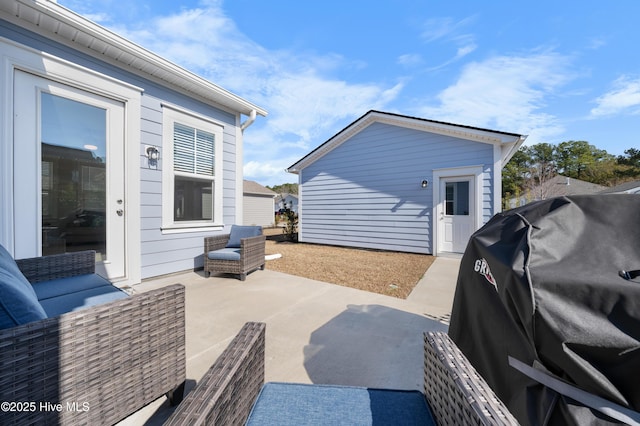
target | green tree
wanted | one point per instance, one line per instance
(581, 160)
(628, 165)
(514, 174)
(285, 188)
(542, 165)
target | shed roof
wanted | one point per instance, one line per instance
(251, 187)
(67, 27)
(510, 141)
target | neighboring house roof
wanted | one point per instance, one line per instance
(562, 185)
(628, 187)
(254, 188)
(556, 187)
(279, 197)
(67, 27)
(509, 141)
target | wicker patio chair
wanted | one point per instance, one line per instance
(226, 393)
(455, 393)
(101, 364)
(251, 253)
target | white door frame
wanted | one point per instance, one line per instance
(439, 175)
(14, 56)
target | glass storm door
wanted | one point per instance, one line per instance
(68, 172)
(456, 220)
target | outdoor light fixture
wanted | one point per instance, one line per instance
(152, 153)
(425, 183)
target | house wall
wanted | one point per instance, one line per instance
(367, 192)
(164, 252)
(258, 210)
(161, 253)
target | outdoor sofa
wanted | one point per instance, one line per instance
(233, 392)
(76, 350)
(238, 252)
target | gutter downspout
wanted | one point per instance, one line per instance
(239, 174)
(249, 121)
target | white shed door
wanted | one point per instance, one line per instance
(456, 222)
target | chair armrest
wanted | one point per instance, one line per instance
(457, 394)
(46, 268)
(215, 242)
(110, 359)
(227, 392)
(253, 246)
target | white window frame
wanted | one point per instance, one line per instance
(170, 115)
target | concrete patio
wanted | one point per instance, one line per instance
(316, 332)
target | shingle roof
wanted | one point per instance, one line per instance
(251, 187)
(622, 187)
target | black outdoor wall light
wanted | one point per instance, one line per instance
(425, 183)
(153, 155)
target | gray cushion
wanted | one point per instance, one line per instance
(61, 286)
(82, 299)
(224, 254)
(297, 404)
(18, 302)
(239, 232)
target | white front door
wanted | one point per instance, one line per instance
(68, 173)
(456, 211)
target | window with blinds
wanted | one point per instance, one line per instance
(194, 167)
(192, 185)
(193, 150)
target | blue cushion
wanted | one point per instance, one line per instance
(18, 302)
(82, 299)
(224, 254)
(61, 286)
(239, 232)
(297, 404)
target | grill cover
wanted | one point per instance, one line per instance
(541, 284)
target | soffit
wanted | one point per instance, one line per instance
(63, 25)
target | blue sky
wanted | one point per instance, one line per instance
(555, 71)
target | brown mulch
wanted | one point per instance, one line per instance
(385, 272)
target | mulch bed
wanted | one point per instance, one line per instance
(385, 272)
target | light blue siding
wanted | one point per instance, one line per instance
(367, 192)
(166, 253)
(161, 253)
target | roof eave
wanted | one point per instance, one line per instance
(61, 24)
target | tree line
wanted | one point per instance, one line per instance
(533, 165)
(285, 188)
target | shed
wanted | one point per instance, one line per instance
(120, 150)
(258, 204)
(395, 182)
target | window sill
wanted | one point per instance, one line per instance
(184, 229)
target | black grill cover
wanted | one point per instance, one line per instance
(541, 283)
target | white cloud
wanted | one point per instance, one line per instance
(505, 93)
(446, 30)
(623, 98)
(410, 59)
(304, 102)
(443, 28)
